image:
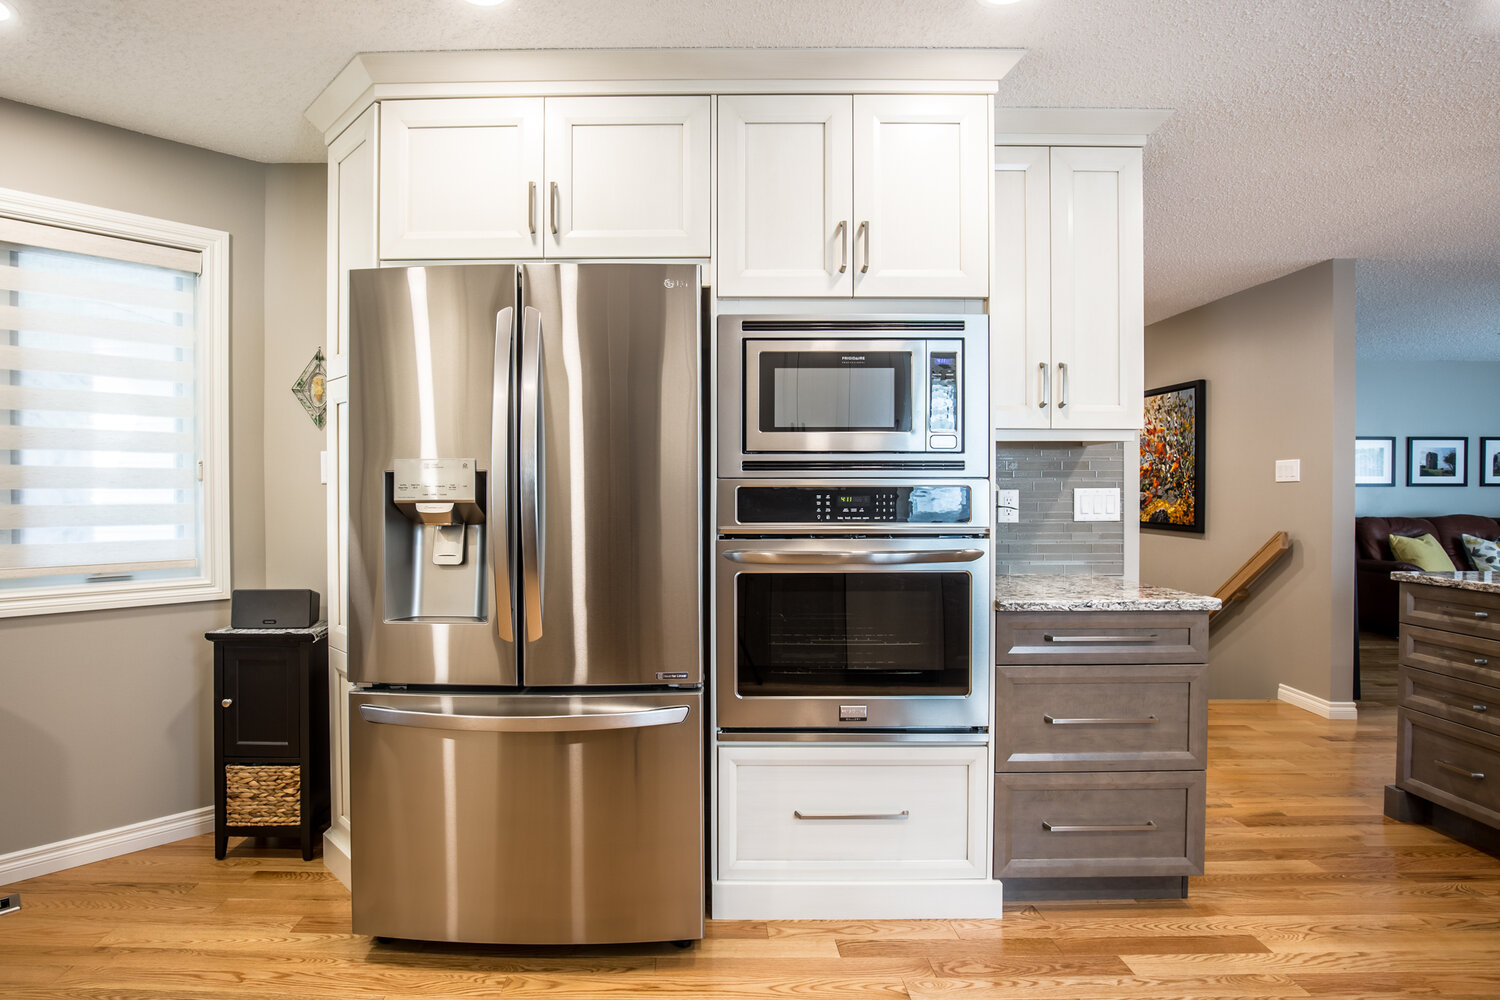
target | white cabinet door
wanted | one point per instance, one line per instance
(840, 813)
(1098, 339)
(785, 196)
(628, 177)
(1020, 290)
(459, 178)
(921, 195)
(337, 430)
(352, 210)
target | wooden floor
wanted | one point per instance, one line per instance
(1309, 892)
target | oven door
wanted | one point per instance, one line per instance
(860, 396)
(885, 634)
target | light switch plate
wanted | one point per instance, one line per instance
(1289, 470)
(1007, 506)
(1096, 504)
(323, 467)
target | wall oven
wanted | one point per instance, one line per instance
(853, 605)
(873, 395)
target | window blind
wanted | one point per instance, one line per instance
(98, 403)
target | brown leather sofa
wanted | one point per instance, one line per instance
(1375, 592)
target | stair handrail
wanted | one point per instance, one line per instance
(1237, 587)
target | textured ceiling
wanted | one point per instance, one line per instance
(1303, 129)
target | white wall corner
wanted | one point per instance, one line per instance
(64, 854)
(1338, 711)
(336, 856)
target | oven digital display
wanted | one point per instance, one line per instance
(812, 504)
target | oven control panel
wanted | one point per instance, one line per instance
(825, 503)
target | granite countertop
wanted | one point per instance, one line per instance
(1485, 582)
(312, 634)
(1092, 593)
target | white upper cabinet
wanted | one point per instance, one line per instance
(1066, 309)
(459, 178)
(527, 177)
(351, 224)
(628, 177)
(870, 195)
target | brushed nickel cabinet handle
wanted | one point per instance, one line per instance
(842, 232)
(1041, 372)
(1481, 661)
(1049, 637)
(1062, 389)
(799, 814)
(1149, 720)
(1481, 614)
(531, 206)
(1464, 771)
(864, 230)
(556, 206)
(1145, 827)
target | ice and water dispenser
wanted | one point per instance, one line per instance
(434, 541)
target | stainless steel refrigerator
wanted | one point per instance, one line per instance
(525, 623)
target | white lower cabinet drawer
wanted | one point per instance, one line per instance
(832, 813)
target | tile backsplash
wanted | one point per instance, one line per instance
(1047, 539)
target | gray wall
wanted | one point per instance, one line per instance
(105, 717)
(1046, 539)
(1279, 360)
(1400, 399)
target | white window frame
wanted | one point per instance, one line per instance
(211, 415)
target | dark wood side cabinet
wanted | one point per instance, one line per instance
(1101, 740)
(271, 776)
(1448, 712)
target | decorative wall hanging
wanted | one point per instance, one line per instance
(1374, 461)
(1489, 461)
(311, 389)
(1172, 458)
(1435, 461)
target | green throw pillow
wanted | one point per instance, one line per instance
(1423, 552)
(1483, 554)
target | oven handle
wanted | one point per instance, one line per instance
(847, 558)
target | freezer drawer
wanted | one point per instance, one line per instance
(527, 819)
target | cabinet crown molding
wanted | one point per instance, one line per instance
(1077, 126)
(372, 76)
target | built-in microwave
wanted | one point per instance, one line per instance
(882, 394)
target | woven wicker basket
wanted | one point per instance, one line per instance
(262, 794)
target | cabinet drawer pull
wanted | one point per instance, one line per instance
(1481, 614)
(554, 207)
(226, 703)
(1149, 720)
(1476, 775)
(842, 232)
(1145, 827)
(531, 206)
(1042, 385)
(1049, 637)
(1481, 661)
(864, 230)
(799, 814)
(1062, 389)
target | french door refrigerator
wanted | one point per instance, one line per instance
(525, 625)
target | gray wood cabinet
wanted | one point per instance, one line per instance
(1448, 715)
(1100, 747)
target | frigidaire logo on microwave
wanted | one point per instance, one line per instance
(851, 357)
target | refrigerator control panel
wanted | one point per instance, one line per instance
(433, 480)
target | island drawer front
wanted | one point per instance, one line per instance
(1110, 717)
(1117, 823)
(1101, 637)
(1450, 609)
(831, 813)
(1449, 764)
(1462, 656)
(1451, 698)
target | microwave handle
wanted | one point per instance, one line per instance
(840, 557)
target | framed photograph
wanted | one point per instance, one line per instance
(1489, 461)
(1172, 458)
(1374, 461)
(1437, 461)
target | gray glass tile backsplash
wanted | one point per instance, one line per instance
(1046, 539)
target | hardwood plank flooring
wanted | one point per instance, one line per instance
(1309, 892)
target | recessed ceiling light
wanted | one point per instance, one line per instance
(6, 13)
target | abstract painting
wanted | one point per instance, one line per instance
(1172, 458)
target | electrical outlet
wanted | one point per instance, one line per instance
(1007, 506)
(1096, 504)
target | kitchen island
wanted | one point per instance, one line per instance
(1100, 737)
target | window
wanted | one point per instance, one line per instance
(113, 409)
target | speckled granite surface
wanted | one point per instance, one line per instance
(1092, 593)
(313, 634)
(1487, 582)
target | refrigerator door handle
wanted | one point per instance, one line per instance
(532, 557)
(499, 526)
(667, 716)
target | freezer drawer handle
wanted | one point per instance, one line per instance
(799, 814)
(1049, 637)
(1149, 720)
(668, 716)
(1476, 775)
(841, 558)
(1145, 827)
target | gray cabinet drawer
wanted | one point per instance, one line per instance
(1452, 765)
(1099, 824)
(1464, 656)
(1463, 611)
(1100, 718)
(1450, 698)
(1101, 637)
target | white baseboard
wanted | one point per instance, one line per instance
(954, 899)
(336, 856)
(1341, 711)
(64, 854)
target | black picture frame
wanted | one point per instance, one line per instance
(1173, 457)
(1374, 461)
(1489, 461)
(1437, 461)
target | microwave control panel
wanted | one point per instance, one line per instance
(824, 503)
